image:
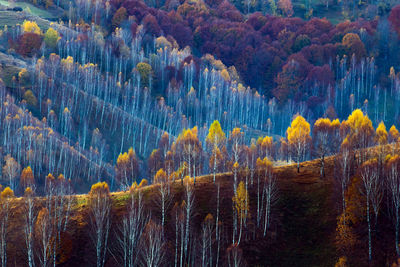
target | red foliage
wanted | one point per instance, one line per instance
(151, 25)
(394, 18)
(257, 20)
(29, 43)
(321, 75)
(229, 12)
(290, 78)
(119, 17)
(316, 27)
(258, 47)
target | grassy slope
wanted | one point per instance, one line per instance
(302, 235)
(27, 7)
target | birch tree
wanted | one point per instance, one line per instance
(298, 135)
(152, 246)
(44, 235)
(164, 196)
(241, 206)
(207, 227)
(29, 216)
(393, 183)
(344, 161)
(216, 141)
(188, 212)
(369, 176)
(321, 137)
(7, 196)
(100, 208)
(11, 170)
(131, 228)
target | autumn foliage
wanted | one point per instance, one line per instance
(298, 135)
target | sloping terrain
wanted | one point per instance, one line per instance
(304, 220)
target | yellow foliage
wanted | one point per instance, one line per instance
(67, 62)
(355, 119)
(161, 176)
(360, 127)
(299, 131)
(134, 186)
(23, 76)
(216, 136)
(31, 26)
(335, 124)
(236, 136)
(50, 178)
(241, 201)
(216, 158)
(61, 177)
(345, 237)
(342, 262)
(267, 141)
(7, 193)
(190, 133)
(131, 153)
(192, 92)
(162, 42)
(235, 165)
(381, 134)
(225, 75)
(122, 159)
(323, 123)
(28, 192)
(209, 218)
(394, 133)
(266, 145)
(263, 163)
(143, 183)
(99, 188)
(27, 178)
(354, 202)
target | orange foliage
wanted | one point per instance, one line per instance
(99, 189)
(27, 178)
(161, 176)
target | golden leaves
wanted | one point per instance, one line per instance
(161, 176)
(31, 26)
(100, 188)
(381, 134)
(299, 131)
(7, 193)
(215, 135)
(241, 201)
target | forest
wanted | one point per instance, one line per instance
(199, 133)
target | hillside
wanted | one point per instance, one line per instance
(101, 81)
(304, 220)
(114, 114)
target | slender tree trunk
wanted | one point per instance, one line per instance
(240, 230)
(298, 164)
(397, 232)
(176, 238)
(369, 232)
(217, 227)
